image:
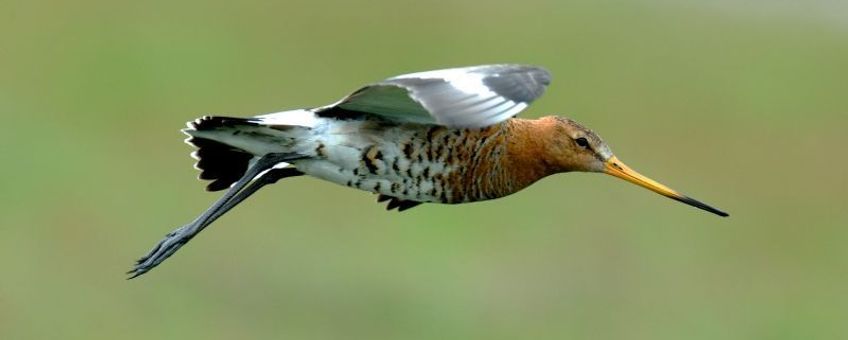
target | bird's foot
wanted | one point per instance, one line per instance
(165, 248)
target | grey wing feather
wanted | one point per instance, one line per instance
(468, 97)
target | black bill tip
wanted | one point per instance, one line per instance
(700, 205)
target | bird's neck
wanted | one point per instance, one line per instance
(508, 158)
(528, 150)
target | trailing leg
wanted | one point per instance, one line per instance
(237, 193)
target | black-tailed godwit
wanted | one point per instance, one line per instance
(445, 136)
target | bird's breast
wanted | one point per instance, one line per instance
(423, 163)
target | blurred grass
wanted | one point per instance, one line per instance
(741, 105)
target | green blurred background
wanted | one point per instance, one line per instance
(742, 105)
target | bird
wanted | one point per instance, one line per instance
(445, 136)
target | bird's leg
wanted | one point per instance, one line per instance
(177, 238)
(270, 177)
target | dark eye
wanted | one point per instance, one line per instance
(582, 142)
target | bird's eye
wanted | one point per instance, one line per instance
(582, 142)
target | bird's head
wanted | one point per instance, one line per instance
(576, 148)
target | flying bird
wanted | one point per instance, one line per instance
(444, 136)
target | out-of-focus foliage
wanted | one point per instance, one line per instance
(741, 105)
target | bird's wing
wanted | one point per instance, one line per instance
(467, 97)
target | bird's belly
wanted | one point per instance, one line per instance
(384, 169)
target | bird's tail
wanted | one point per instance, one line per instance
(227, 145)
(219, 162)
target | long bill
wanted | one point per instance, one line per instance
(618, 169)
